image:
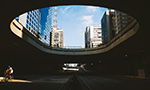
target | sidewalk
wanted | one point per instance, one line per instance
(131, 79)
(1, 78)
(136, 77)
(15, 80)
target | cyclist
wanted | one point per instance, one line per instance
(9, 72)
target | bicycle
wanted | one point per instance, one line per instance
(7, 77)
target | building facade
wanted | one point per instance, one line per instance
(121, 20)
(112, 23)
(38, 22)
(57, 38)
(87, 37)
(30, 20)
(45, 24)
(93, 36)
(108, 26)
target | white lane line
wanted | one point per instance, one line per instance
(85, 83)
(65, 82)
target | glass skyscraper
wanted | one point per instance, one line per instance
(38, 21)
(113, 22)
(104, 28)
(30, 20)
(45, 24)
(107, 26)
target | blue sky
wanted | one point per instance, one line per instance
(73, 19)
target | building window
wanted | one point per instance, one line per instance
(45, 37)
(27, 26)
(98, 28)
(124, 21)
(131, 17)
(56, 35)
(123, 26)
(124, 18)
(99, 36)
(123, 14)
(99, 32)
(94, 30)
(27, 21)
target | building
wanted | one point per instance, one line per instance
(61, 35)
(112, 23)
(45, 24)
(87, 37)
(30, 20)
(107, 23)
(93, 36)
(57, 39)
(57, 35)
(121, 21)
(38, 22)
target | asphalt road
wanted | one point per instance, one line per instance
(103, 83)
(82, 81)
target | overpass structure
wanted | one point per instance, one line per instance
(23, 33)
(127, 53)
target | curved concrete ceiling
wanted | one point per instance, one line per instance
(138, 9)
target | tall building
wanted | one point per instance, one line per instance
(121, 21)
(57, 39)
(38, 22)
(107, 23)
(45, 24)
(30, 20)
(87, 37)
(93, 36)
(57, 35)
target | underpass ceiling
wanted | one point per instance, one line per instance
(12, 45)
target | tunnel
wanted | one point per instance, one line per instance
(128, 58)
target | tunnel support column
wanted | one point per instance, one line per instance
(142, 63)
(141, 70)
(139, 62)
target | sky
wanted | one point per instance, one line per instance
(74, 19)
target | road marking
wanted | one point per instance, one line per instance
(65, 83)
(85, 83)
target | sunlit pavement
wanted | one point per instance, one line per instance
(40, 83)
(51, 79)
(15, 80)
